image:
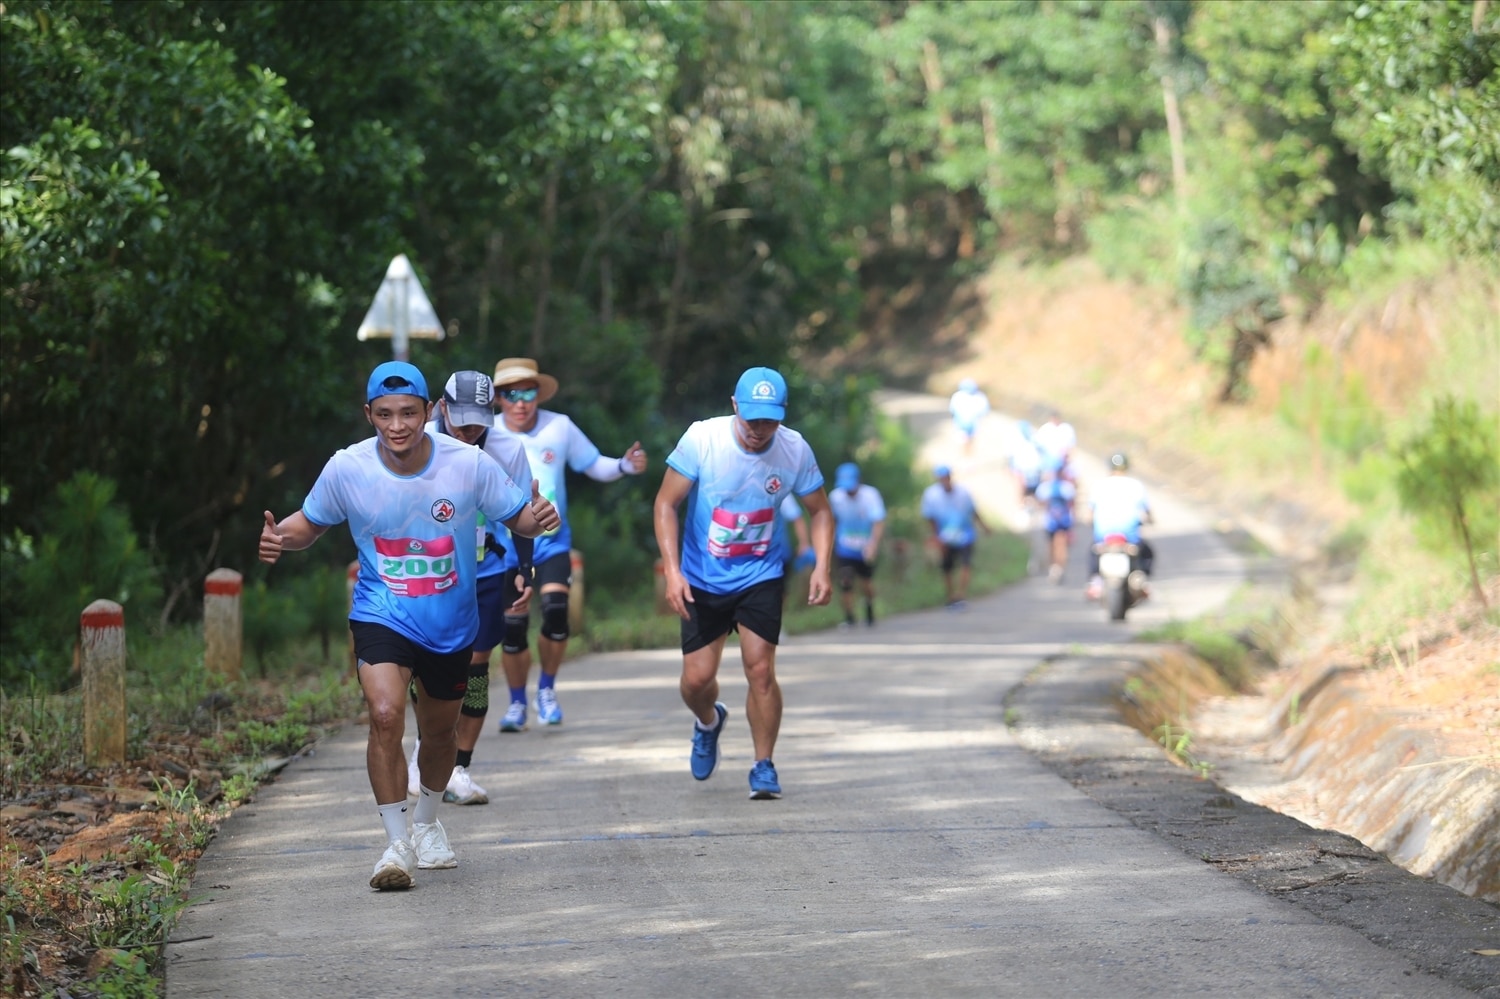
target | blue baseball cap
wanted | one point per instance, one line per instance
(941, 472)
(761, 394)
(846, 476)
(396, 378)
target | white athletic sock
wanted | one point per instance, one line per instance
(394, 817)
(706, 728)
(426, 811)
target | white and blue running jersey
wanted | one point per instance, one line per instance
(953, 513)
(507, 451)
(728, 535)
(553, 445)
(415, 535)
(855, 518)
(1119, 504)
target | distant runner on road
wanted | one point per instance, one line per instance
(553, 445)
(411, 500)
(949, 510)
(724, 569)
(859, 519)
(1055, 438)
(968, 406)
(1056, 494)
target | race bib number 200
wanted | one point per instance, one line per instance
(417, 567)
(733, 533)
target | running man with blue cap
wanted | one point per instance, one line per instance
(949, 508)
(467, 411)
(859, 518)
(411, 499)
(724, 567)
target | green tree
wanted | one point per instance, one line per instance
(1267, 140)
(1450, 472)
(164, 259)
(1417, 94)
(1232, 303)
(1040, 109)
(86, 550)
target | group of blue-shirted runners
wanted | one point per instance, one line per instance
(460, 521)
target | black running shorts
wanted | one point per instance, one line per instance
(956, 555)
(557, 569)
(713, 615)
(444, 675)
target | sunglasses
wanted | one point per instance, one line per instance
(519, 395)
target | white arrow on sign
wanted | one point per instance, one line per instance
(401, 310)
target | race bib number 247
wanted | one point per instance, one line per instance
(734, 533)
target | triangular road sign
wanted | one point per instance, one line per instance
(401, 308)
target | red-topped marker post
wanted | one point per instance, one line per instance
(223, 624)
(103, 643)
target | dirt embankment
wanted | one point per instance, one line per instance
(1306, 741)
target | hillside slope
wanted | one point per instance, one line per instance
(1113, 359)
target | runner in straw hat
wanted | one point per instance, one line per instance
(553, 444)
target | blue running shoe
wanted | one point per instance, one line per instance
(515, 717)
(547, 710)
(705, 758)
(763, 782)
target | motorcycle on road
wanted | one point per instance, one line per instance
(1124, 582)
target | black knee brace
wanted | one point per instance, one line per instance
(514, 638)
(555, 616)
(477, 696)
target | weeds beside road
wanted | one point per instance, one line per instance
(96, 861)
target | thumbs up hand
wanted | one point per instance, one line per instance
(270, 540)
(635, 459)
(543, 511)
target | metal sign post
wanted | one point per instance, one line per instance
(401, 311)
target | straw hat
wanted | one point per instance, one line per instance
(523, 369)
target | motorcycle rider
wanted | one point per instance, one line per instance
(1119, 506)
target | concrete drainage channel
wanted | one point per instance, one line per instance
(1068, 713)
(1375, 779)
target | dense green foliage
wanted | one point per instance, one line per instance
(198, 199)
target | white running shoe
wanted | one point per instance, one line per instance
(414, 773)
(394, 871)
(463, 791)
(431, 844)
(515, 717)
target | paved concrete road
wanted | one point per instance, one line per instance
(918, 849)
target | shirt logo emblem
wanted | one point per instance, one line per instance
(442, 511)
(773, 484)
(549, 456)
